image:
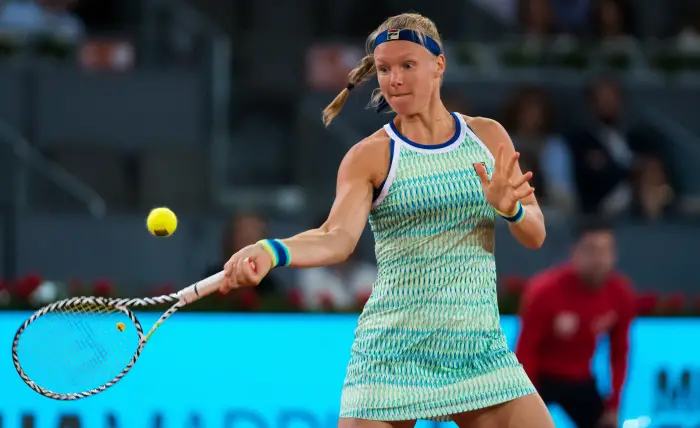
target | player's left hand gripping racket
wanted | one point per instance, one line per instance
(78, 347)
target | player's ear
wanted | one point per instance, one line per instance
(441, 64)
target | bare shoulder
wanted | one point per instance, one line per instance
(489, 131)
(376, 142)
(371, 156)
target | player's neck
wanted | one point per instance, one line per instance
(434, 125)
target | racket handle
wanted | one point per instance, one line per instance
(201, 288)
(207, 286)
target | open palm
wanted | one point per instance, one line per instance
(502, 191)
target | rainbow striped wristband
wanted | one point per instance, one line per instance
(277, 251)
(515, 217)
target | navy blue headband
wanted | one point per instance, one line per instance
(410, 36)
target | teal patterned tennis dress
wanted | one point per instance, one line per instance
(429, 343)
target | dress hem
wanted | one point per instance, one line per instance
(440, 414)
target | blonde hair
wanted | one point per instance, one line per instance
(366, 68)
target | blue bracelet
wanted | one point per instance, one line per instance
(516, 217)
(277, 251)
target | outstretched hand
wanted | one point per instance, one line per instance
(503, 191)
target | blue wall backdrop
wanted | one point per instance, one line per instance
(286, 371)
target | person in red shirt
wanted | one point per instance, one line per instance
(564, 310)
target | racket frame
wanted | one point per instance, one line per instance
(180, 299)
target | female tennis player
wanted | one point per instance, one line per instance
(428, 344)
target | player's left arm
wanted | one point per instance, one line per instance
(530, 232)
(619, 341)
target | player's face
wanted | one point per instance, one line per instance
(408, 75)
(594, 256)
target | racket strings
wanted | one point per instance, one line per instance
(77, 348)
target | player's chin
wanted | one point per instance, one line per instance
(404, 105)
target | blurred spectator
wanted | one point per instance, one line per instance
(653, 195)
(689, 37)
(528, 119)
(343, 286)
(536, 20)
(40, 17)
(564, 310)
(571, 16)
(244, 229)
(612, 19)
(609, 153)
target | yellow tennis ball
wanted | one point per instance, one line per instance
(121, 326)
(161, 222)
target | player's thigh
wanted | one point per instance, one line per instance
(363, 423)
(528, 411)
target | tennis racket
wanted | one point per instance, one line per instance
(78, 347)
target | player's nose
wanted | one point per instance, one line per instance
(396, 78)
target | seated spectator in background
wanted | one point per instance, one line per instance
(542, 151)
(571, 16)
(241, 230)
(612, 19)
(653, 195)
(536, 20)
(688, 39)
(611, 157)
(343, 286)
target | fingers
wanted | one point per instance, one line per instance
(229, 281)
(523, 192)
(228, 268)
(241, 271)
(511, 164)
(521, 189)
(483, 175)
(522, 180)
(498, 167)
(252, 265)
(246, 272)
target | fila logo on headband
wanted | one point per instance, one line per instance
(392, 34)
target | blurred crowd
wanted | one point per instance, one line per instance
(341, 288)
(606, 164)
(591, 19)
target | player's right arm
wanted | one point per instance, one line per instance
(336, 239)
(363, 168)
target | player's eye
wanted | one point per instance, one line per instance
(408, 65)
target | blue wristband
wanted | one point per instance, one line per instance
(277, 251)
(516, 217)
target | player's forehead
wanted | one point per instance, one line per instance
(398, 50)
